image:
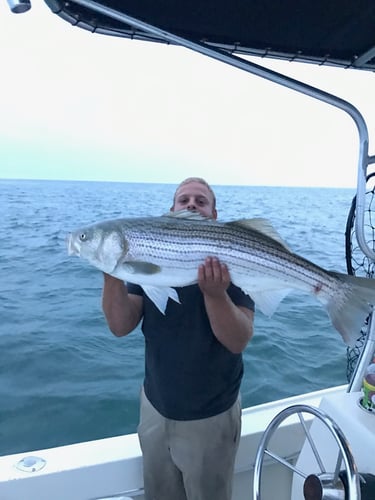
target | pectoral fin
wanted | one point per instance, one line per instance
(160, 296)
(138, 267)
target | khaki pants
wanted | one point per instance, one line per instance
(188, 460)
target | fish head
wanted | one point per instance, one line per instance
(102, 245)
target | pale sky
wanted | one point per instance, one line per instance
(74, 105)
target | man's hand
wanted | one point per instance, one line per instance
(213, 277)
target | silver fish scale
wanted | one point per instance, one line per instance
(186, 243)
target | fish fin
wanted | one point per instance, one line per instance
(348, 311)
(160, 295)
(139, 267)
(262, 226)
(268, 300)
(187, 214)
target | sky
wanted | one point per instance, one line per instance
(74, 105)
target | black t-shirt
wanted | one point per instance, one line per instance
(189, 374)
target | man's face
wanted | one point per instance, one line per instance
(195, 196)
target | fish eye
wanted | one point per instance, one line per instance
(83, 236)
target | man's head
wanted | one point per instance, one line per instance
(195, 194)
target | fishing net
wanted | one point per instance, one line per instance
(358, 263)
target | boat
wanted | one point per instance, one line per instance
(318, 445)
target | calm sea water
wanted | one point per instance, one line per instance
(65, 378)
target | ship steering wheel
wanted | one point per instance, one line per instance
(316, 486)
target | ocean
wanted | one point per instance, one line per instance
(65, 378)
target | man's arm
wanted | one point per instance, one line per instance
(122, 311)
(232, 325)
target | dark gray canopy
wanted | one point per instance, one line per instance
(338, 32)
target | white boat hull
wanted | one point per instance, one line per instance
(112, 468)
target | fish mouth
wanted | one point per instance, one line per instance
(73, 249)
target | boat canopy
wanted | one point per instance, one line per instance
(325, 32)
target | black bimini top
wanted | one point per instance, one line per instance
(333, 32)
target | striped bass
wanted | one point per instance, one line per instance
(160, 253)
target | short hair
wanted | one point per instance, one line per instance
(201, 181)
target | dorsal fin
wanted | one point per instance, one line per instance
(263, 226)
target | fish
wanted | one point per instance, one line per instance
(162, 253)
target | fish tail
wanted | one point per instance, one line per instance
(351, 305)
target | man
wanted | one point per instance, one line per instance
(190, 417)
